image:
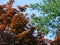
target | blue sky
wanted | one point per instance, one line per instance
(20, 2)
(23, 2)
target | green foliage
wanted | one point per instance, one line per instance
(40, 23)
(58, 31)
(50, 8)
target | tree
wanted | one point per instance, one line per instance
(13, 25)
(58, 31)
(50, 10)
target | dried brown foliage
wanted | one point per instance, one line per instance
(15, 22)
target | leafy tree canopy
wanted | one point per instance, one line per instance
(50, 9)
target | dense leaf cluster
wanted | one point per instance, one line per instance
(50, 11)
(13, 25)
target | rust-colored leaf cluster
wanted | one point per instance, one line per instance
(13, 23)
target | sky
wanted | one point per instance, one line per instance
(20, 2)
(23, 2)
